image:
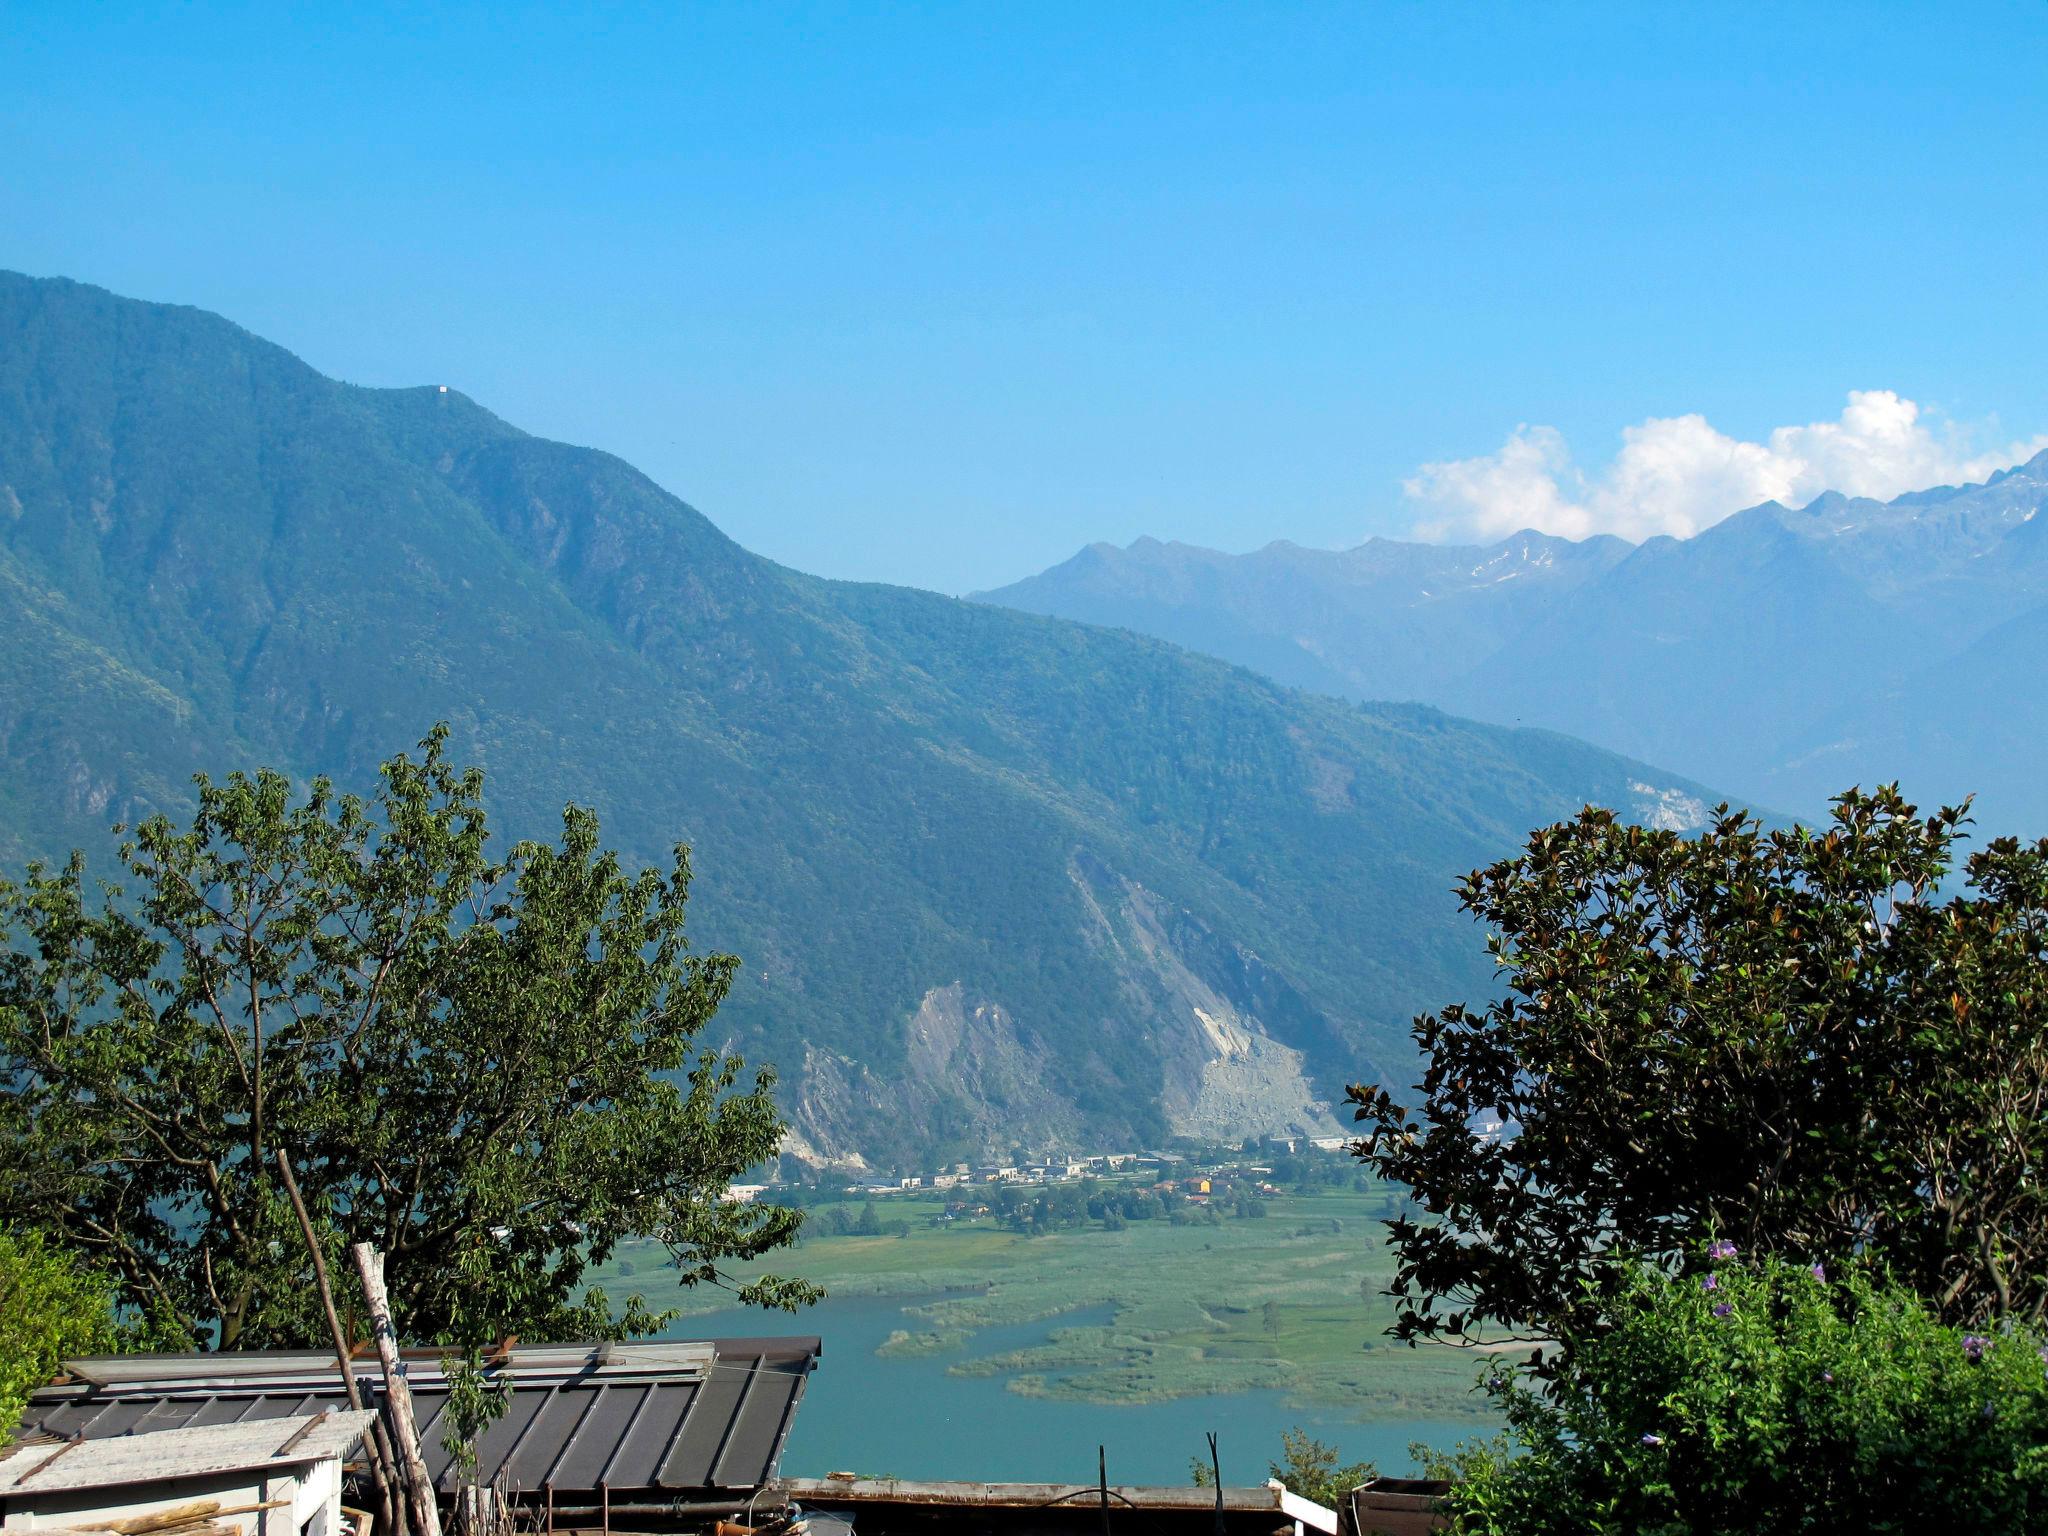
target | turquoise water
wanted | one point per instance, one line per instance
(905, 1417)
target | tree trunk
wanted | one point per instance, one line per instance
(426, 1513)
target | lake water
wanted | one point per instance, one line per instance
(906, 1417)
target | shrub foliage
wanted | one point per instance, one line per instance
(50, 1307)
(1763, 1399)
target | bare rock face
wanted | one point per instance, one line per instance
(977, 1074)
(973, 1048)
(1227, 1075)
(824, 1101)
(973, 1075)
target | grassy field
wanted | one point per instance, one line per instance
(1288, 1302)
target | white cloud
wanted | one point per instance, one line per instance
(1677, 474)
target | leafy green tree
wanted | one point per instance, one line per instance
(1766, 1398)
(829, 1221)
(1142, 1206)
(50, 1307)
(491, 1069)
(1800, 1040)
(1309, 1467)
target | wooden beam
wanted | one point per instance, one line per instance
(421, 1503)
(390, 1508)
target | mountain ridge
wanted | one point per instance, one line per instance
(996, 878)
(1776, 652)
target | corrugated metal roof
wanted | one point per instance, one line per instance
(658, 1418)
(194, 1451)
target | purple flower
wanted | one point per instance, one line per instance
(1720, 1248)
(1723, 1309)
(1827, 1375)
(1974, 1345)
(1820, 1273)
(1653, 1440)
(1710, 1282)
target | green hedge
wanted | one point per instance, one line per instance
(1764, 1398)
(50, 1307)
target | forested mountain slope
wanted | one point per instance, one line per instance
(996, 878)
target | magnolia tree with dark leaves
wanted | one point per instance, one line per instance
(491, 1069)
(1807, 1042)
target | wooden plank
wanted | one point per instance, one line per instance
(177, 1514)
(836, 1490)
(300, 1433)
(69, 1445)
(182, 1518)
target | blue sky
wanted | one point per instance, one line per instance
(936, 295)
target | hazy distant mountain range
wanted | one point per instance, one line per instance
(1781, 654)
(995, 878)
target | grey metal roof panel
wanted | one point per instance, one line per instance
(502, 1440)
(603, 1420)
(641, 1440)
(688, 1460)
(762, 1418)
(106, 1419)
(630, 1417)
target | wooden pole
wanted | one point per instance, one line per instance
(425, 1512)
(387, 1457)
(1102, 1481)
(389, 1510)
(1216, 1467)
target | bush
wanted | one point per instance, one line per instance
(1768, 1399)
(1142, 1207)
(50, 1307)
(1309, 1467)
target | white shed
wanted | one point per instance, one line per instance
(264, 1477)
